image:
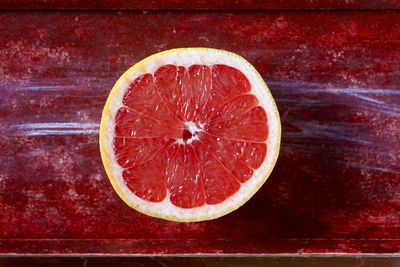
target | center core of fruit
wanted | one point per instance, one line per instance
(190, 132)
(186, 135)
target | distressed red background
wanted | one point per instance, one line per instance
(200, 4)
(335, 76)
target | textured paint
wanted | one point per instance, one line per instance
(334, 75)
(198, 4)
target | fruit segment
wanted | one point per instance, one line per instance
(219, 183)
(173, 85)
(142, 96)
(136, 151)
(200, 85)
(239, 158)
(227, 82)
(185, 179)
(251, 126)
(234, 107)
(129, 123)
(148, 180)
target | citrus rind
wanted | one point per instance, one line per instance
(187, 57)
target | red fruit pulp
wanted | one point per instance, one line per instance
(194, 134)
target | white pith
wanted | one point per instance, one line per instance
(194, 129)
(187, 57)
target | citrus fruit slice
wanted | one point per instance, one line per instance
(189, 134)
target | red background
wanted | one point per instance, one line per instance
(334, 75)
(201, 4)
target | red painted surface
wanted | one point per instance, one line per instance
(335, 77)
(198, 4)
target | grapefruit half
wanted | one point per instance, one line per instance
(189, 134)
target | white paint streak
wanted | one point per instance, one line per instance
(301, 87)
(54, 128)
(366, 98)
(379, 169)
(44, 88)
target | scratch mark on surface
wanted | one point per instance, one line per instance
(287, 92)
(379, 169)
(54, 128)
(44, 88)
